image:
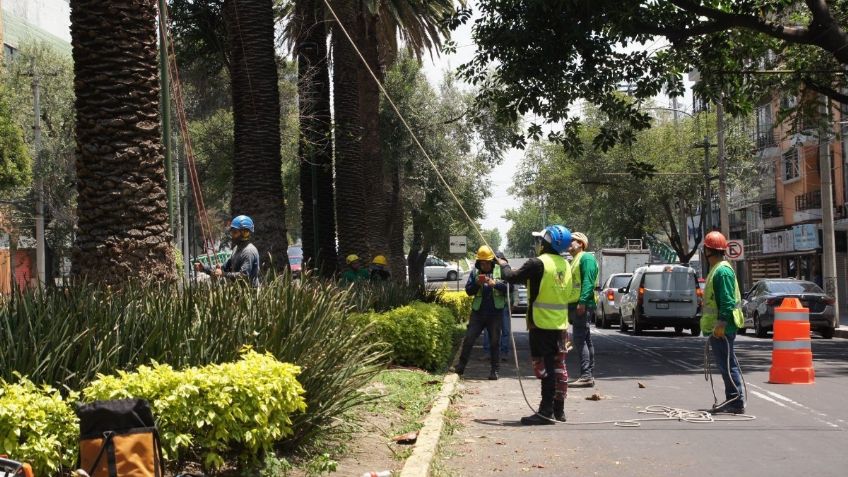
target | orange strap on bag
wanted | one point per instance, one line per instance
(13, 468)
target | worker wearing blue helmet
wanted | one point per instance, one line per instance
(548, 278)
(243, 264)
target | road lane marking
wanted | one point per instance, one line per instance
(822, 417)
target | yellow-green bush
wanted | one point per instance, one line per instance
(37, 426)
(419, 334)
(240, 408)
(459, 303)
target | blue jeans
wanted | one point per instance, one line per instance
(582, 340)
(722, 354)
(505, 329)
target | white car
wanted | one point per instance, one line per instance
(437, 269)
(659, 296)
(609, 309)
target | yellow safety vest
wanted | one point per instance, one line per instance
(577, 280)
(710, 312)
(499, 298)
(550, 308)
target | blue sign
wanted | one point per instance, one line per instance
(806, 237)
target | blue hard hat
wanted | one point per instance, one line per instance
(557, 236)
(242, 222)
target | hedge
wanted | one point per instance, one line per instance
(419, 334)
(458, 302)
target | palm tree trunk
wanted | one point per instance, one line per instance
(351, 208)
(122, 229)
(315, 146)
(257, 173)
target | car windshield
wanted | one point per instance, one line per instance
(793, 287)
(620, 281)
(674, 280)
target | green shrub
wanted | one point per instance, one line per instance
(37, 426)
(419, 334)
(218, 410)
(459, 303)
(385, 296)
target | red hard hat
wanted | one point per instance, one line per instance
(715, 240)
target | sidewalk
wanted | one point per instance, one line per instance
(842, 331)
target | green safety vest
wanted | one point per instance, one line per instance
(577, 280)
(500, 298)
(710, 312)
(550, 309)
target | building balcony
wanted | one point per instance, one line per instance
(765, 138)
(808, 201)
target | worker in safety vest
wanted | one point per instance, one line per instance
(243, 264)
(548, 278)
(379, 269)
(722, 316)
(489, 292)
(354, 273)
(581, 306)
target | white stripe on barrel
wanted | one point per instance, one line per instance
(792, 345)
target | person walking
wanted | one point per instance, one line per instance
(548, 278)
(354, 273)
(722, 317)
(379, 269)
(581, 306)
(506, 324)
(489, 292)
(243, 264)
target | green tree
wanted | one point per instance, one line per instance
(15, 160)
(122, 227)
(543, 57)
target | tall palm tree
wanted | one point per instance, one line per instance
(257, 173)
(308, 31)
(122, 230)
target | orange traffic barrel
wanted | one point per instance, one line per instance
(791, 356)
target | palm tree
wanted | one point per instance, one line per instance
(257, 162)
(309, 34)
(122, 230)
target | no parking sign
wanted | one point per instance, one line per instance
(735, 250)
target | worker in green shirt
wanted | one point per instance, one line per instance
(722, 316)
(581, 306)
(355, 272)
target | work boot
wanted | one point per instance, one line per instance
(493, 374)
(559, 410)
(583, 382)
(729, 408)
(544, 417)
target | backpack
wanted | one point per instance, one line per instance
(119, 439)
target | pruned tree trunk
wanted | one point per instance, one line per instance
(315, 145)
(122, 228)
(418, 250)
(257, 162)
(351, 207)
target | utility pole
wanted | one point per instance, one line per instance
(166, 111)
(707, 207)
(724, 213)
(829, 240)
(39, 184)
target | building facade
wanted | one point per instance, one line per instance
(47, 21)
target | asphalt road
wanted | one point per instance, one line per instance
(799, 430)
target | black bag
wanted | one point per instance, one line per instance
(119, 439)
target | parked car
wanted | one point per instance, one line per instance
(659, 296)
(437, 269)
(295, 254)
(609, 311)
(759, 302)
(520, 304)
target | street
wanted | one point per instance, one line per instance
(798, 430)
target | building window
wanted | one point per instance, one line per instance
(765, 127)
(791, 165)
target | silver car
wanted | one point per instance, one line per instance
(437, 269)
(659, 296)
(760, 301)
(609, 302)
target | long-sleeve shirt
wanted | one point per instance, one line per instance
(588, 278)
(487, 306)
(530, 273)
(243, 264)
(724, 285)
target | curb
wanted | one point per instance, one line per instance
(418, 464)
(841, 332)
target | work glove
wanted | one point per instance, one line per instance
(718, 331)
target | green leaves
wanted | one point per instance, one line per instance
(15, 161)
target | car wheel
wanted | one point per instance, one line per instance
(623, 325)
(827, 333)
(637, 327)
(678, 330)
(605, 322)
(451, 276)
(741, 331)
(696, 330)
(759, 330)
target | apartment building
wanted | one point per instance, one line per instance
(47, 21)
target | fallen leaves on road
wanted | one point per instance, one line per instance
(594, 397)
(539, 466)
(408, 438)
(641, 386)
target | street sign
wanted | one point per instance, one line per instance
(735, 250)
(458, 244)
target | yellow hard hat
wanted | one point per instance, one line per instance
(485, 253)
(351, 258)
(581, 237)
(380, 260)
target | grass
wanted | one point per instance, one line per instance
(447, 448)
(405, 397)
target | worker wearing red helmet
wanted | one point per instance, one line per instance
(722, 316)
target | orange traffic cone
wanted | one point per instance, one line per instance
(791, 356)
